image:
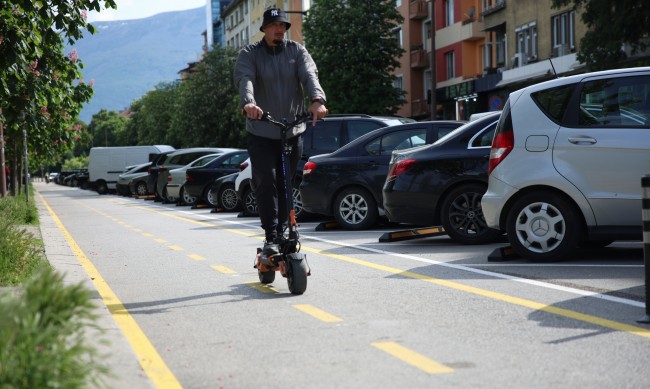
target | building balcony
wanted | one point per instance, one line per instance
(419, 58)
(418, 9)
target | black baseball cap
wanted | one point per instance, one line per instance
(273, 15)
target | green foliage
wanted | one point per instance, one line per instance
(151, 116)
(355, 50)
(610, 25)
(75, 163)
(43, 337)
(20, 252)
(208, 104)
(41, 90)
(108, 128)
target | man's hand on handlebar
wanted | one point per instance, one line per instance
(317, 111)
(252, 111)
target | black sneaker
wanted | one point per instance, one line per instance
(270, 248)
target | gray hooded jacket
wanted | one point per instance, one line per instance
(274, 78)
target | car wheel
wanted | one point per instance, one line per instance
(355, 209)
(543, 227)
(250, 204)
(141, 188)
(227, 198)
(101, 187)
(301, 214)
(462, 216)
(186, 198)
(167, 197)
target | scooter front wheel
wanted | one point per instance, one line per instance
(266, 277)
(297, 273)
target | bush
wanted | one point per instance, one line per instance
(43, 343)
(20, 252)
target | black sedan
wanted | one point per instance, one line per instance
(347, 183)
(442, 184)
(224, 195)
(199, 180)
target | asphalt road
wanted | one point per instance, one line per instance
(182, 305)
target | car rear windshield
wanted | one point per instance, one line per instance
(554, 101)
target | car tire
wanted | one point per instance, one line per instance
(462, 216)
(141, 188)
(249, 203)
(355, 209)
(186, 198)
(101, 187)
(543, 227)
(227, 198)
(301, 214)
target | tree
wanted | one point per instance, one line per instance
(41, 90)
(610, 25)
(355, 49)
(107, 129)
(151, 115)
(207, 113)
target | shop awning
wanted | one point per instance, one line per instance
(523, 78)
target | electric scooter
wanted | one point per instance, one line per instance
(289, 261)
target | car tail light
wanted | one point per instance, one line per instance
(148, 170)
(243, 166)
(162, 169)
(188, 177)
(400, 167)
(504, 140)
(169, 178)
(308, 168)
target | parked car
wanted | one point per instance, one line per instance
(348, 182)
(138, 173)
(199, 179)
(180, 158)
(224, 195)
(328, 135)
(152, 174)
(77, 178)
(442, 183)
(564, 175)
(176, 181)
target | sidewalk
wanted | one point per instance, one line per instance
(126, 371)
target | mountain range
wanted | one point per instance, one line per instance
(126, 59)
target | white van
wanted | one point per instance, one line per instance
(105, 164)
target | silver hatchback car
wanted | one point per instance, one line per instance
(566, 163)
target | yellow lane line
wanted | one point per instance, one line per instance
(317, 313)
(606, 323)
(413, 358)
(159, 240)
(261, 287)
(152, 364)
(175, 248)
(223, 269)
(196, 257)
(148, 235)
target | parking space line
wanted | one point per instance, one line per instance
(412, 358)
(317, 313)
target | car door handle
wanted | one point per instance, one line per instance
(582, 139)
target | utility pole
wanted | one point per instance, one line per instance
(3, 177)
(432, 59)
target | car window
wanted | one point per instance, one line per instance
(202, 161)
(234, 161)
(325, 137)
(356, 128)
(484, 137)
(623, 101)
(554, 101)
(398, 140)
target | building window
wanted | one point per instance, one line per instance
(450, 65)
(398, 82)
(426, 34)
(527, 41)
(397, 33)
(563, 33)
(449, 12)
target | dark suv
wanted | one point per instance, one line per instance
(328, 135)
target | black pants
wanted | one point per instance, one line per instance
(268, 179)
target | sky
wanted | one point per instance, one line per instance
(138, 9)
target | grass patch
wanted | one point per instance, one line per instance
(43, 335)
(21, 254)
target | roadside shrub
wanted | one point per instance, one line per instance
(42, 336)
